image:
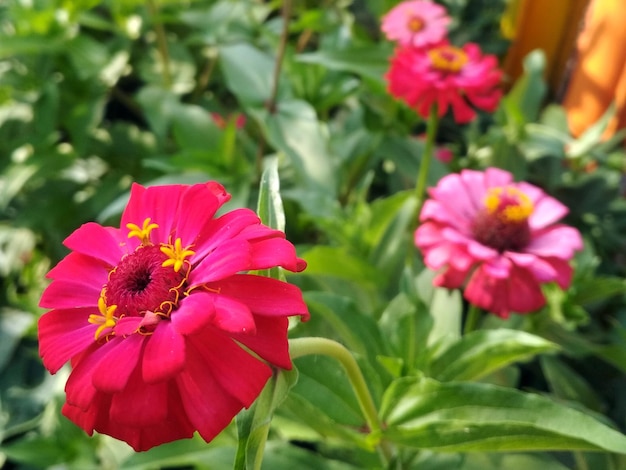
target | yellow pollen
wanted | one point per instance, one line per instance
(143, 232)
(176, 255)
(415, 24)
(509, 204)
(106, 318)
(448, 58)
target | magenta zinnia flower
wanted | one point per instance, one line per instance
(498, 238)
(446, 76)
(165, 332)
(416, 23)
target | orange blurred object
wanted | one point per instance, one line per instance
(549, 25)
(599, 77)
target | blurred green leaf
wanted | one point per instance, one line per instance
(455, 417)
(482, 352)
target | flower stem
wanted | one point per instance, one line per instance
(304, 346)
(431, 132)
(161, 42)
(472, 319)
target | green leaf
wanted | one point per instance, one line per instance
(567, 384)
(405, 326)
(524, 101)
(249, 73)
(295, 130)
(459, 417)
(482, 352)
(371, 62)
(279, 457)
(253, 424)
(270, 205)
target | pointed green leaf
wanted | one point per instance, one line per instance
(458, 417)
(485, 351)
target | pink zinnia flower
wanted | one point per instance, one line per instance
(416, 23)
(165, 332)
(498, 238)
(447, 76)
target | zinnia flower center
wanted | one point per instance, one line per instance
(147, 282)
(141, 283)
(503, 222)
(448, 58)
(415, 24)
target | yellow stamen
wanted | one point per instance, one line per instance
(448, 58)
(415, 24)
(106, 318)
(143, 232)
(176, 255)
(517, 205)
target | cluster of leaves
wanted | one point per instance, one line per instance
(95, 94)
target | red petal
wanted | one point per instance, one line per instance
(270, 340)
(164, 355)
(263, 295)
(232, 316)
(274, 252)
(62, 335)
(229, 258)
(209, 408)
(103, 243)
(139, 404)
(224, 228)
(194, 313)
(111, 374)
(70, 294)
(240, 374)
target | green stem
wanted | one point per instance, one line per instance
(305, 346)
(473, 317)
(161, 43)
(431, 133)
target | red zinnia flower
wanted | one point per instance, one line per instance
(416, 23)
(447, 76)
(165, 333)
(498, 237)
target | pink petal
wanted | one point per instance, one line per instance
(232, 316)
(450, 278)
(79, 388)
(495, 177)
(79, 267)
(197, 207)
(240, 374)
(541, 269)
(222, 229)
(207, 405)
(546, 212)
(194, 312)
(498, 268)
(103, 243)
(174, 427)
(229, 258)
(263, 295)
(274, 252)
(524, 292)
(111, 374)
(127, 326)
(270, 341)
(559, 241)
(164, 355)
(161, 203)
(70, 294)
(134, 213)
(139, 404)
(563, 271)
(62, 335)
